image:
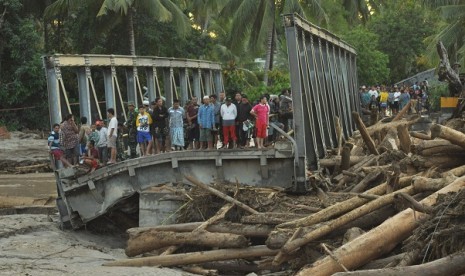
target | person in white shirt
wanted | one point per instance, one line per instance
(396, 100)
(373, 92)
(228, 112)
(112, 134)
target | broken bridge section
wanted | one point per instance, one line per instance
(86, 197)
(324, 85)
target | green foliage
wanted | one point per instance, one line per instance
(372, 64)
(435, 92)
(402, 28)
(21, 75)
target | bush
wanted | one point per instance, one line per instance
(435, 92)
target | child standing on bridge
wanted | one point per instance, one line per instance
(143, 122)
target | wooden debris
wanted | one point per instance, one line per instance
(386, 236)
(197, 257)
(363, 131)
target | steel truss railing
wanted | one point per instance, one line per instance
(192, 77)
(324, 90)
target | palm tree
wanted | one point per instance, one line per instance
(160, 10)
(361, 10)
(452, 33)
(253, 25)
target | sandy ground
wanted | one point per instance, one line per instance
(34, 245)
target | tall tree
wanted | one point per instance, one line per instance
(254, 24)
(159, 10)
(452, 33)
(403, 26)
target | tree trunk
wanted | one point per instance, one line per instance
(345, 156)
(223, 227)
(450, 134)
(331, 162)
(332, 225)
(269, 53)
(361, 186)
(151, 240)
(197, 257)
(341, 207)
(132, 43)
(269, 218)
(451, 265)
(363, 131)
(404, 138)
(378, 241)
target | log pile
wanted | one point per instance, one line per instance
(390, 202)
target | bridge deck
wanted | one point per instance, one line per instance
(89, 196)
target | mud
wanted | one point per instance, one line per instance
(34, 244)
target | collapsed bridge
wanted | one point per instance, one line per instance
(324, 93)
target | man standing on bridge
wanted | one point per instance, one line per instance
(206, 121)
(176, 125)
(131, 125)
(112, 135)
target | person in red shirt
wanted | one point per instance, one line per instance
(92, 156)
(261, 113)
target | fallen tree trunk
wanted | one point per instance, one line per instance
(331, 162)
(197, 257)
(401, 113)
(151, 240)
(221, 195)
(332, 225)
(269, 218)
(379, 240)
(361, 186)
(450, 134)
(450, 265)
(222, 227)
(404, 138)
(420, 135)
(444, 150)
(363, 131)
(341, 207)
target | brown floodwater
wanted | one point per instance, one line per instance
(36, 185)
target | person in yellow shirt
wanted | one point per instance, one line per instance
(383, 98)
(144, 138)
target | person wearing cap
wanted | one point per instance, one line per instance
(192, 121)
(176, 125)
(143, 122)
(132, 130)
(206, 119)
(229, 113)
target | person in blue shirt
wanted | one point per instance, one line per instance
(54, 145)
(206, 120)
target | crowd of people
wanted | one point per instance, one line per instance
(152, 128)
(390, 100)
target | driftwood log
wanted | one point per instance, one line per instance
(452, 135)
(341, 207)
(222, 227)
(363, 131)
(151, 240)
(379, 240)
(197, 257)
(450, 265)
